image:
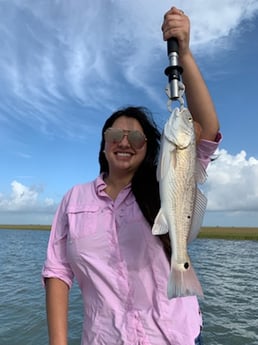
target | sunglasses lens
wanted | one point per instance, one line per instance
(115, 135)
(136, 139)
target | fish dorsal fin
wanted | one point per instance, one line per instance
(198, 214)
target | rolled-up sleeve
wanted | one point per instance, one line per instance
(206, 149)
(56, 264)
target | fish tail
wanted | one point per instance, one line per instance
(183, 283)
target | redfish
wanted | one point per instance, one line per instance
(182, 203)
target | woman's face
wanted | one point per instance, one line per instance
(124, 157)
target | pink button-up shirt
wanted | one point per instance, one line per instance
(120, 267)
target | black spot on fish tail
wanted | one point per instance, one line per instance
(186, 265)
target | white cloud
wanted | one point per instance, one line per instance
(231, 188)
(212, 20)
(25, 199)
(232, 183)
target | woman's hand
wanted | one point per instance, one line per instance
(176, 24)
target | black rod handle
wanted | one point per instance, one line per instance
(172, 45)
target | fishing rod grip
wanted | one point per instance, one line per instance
(173, 71)
(172, 45)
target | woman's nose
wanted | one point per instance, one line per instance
(124, 141)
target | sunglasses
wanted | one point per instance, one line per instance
(135, 138)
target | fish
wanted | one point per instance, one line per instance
(183, 205)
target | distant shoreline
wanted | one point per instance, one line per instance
(229, 233)
(25, 227)
(215, 232)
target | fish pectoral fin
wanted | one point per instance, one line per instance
(198, 214)
(160, 226)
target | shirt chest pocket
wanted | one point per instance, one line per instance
(82, 220)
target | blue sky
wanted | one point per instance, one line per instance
(67, 65)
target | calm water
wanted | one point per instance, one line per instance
(228, 271)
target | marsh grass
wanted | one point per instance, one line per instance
(229, 233)
(25, 227)
(216, 232)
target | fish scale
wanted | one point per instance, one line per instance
(183, 223)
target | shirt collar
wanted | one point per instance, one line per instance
(100, 185)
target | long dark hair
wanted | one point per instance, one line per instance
(144, 183)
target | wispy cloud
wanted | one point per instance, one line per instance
(23, 155)
(84, 54)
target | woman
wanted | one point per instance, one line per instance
(101, 233)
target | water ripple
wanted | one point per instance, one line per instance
(227, 271)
